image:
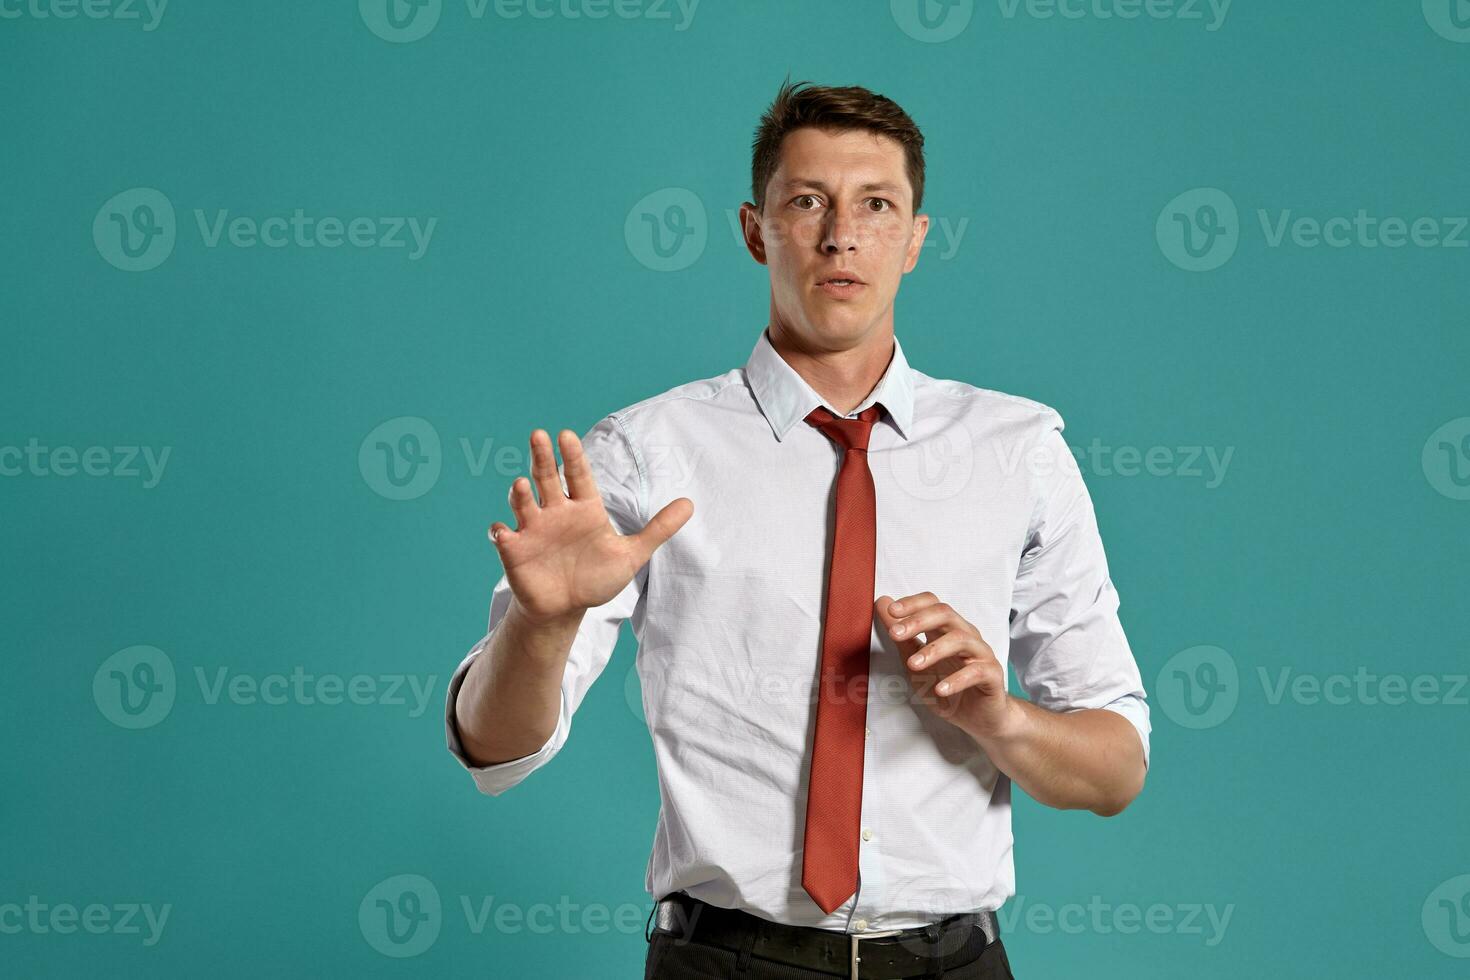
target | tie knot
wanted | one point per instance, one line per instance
(847, 433)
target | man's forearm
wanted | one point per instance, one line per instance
(1091, 759)
(507, 706)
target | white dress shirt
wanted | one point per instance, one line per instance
(979, 501)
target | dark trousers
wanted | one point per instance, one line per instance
(668, 960)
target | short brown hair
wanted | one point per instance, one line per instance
(847, 107)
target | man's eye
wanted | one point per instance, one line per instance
(888, 205)
(807, 197)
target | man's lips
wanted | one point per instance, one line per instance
(841, 290)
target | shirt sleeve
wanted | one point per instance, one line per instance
(618, 473)
(1067, 644)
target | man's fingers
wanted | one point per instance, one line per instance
(931, 620)
(937, 650)
(908, 644)
(581, 485)
(543, 470)
(910, 604)
(662, 526)
(977, 674)
(522, 502)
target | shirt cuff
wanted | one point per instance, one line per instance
(495, 779)
(1135, 709)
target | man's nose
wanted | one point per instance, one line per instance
(840, 234)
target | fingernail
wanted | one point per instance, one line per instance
(916, 661)
(898, 630)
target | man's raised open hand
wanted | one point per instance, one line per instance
(566, 557)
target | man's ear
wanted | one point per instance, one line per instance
(750, 227)
(916, 242)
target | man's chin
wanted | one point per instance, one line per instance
(835, 332)
(840, 319)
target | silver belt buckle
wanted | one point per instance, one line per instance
(856, 938)
(672, 917)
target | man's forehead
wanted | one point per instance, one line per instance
(810, 144)
(813, 157)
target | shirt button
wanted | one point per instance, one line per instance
(860, 924)
(867, 834)
(867, 732)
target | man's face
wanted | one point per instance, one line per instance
(840, 201)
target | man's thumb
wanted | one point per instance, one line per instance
(662, 526)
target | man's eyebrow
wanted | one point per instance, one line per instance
(819, 185)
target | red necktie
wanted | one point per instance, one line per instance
(834, 801)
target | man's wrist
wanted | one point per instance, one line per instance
(567, 621)
(1011, 728)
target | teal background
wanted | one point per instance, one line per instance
(1328, 546)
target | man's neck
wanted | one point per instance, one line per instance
(843, 377)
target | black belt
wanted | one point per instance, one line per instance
(946, 944)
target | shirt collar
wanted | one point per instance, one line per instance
(785, 398)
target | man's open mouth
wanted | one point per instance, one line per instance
(841, 286)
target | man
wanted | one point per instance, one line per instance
(828, 558)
